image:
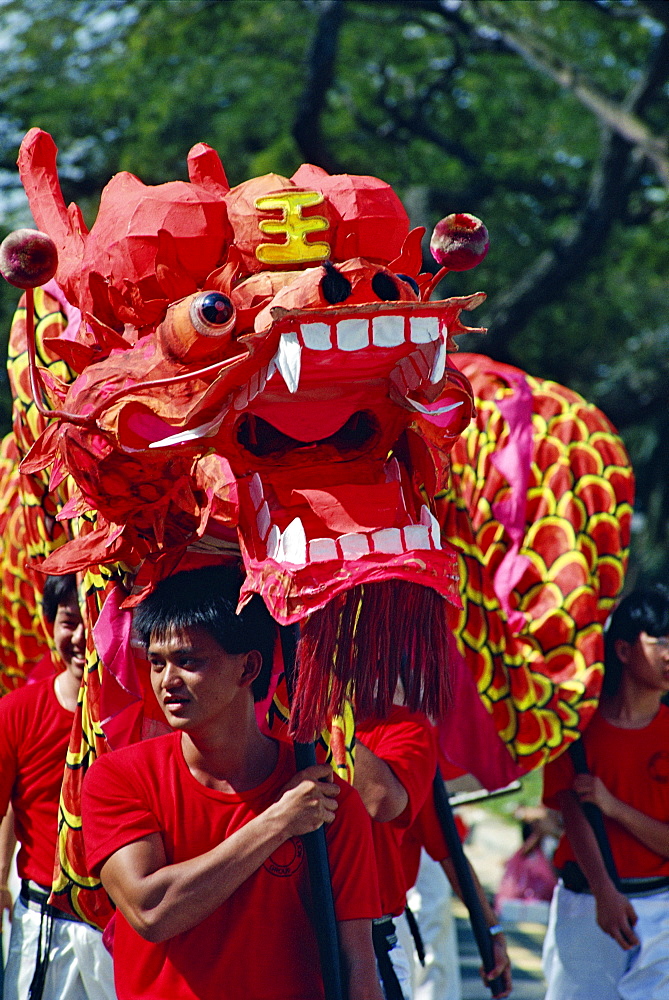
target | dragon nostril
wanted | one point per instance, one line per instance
(334, 286)
(384, 287)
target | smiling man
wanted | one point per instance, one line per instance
(196, 835)
(51, 955)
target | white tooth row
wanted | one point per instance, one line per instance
(291, 546)
(253, 387)
(354, 335)
(370, 331)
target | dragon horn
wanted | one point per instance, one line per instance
(39, 176)
(205, 168)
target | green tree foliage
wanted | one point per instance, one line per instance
(547, 118)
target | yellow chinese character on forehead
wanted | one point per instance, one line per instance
(293, 226)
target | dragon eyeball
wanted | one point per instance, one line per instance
(212, 314)
(28, 258)
(199, 328)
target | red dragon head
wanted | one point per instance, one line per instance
(263, 361)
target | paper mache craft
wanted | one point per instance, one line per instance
(261, 370)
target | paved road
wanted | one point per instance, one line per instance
(491, 843)
(524, 942)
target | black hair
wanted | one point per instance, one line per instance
(641, 611)
(207, 598)
(58, 590)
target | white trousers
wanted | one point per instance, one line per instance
(80, 967)
(581, 962)
(431, 900)
(400, 962)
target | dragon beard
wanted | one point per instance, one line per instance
(365, 642)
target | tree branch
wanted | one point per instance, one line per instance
(607, 201)
(614, 116)
(307, 130)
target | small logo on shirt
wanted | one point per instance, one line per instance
(285, 861)
(658, 767)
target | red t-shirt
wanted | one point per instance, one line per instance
(634, 766)
(260, 944)
(34, 735)
(407, 742)
(425, 831)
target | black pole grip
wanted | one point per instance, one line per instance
(593, 813)
(470, 897)
(315, 846)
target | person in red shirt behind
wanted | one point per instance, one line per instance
(196, 835)
(395, 763)
(426, 835)
(605, 941)
(50, 954)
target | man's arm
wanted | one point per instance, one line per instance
(615, 914)
(653, 833)
(160, 900)
(357, 950)
(502, 962)
(7, 846)
(383, 795)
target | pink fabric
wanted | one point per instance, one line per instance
(122, 693)
(467, 734)
(513, 462)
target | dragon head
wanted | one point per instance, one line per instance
(263, 360)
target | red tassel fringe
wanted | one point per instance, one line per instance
(361, 644)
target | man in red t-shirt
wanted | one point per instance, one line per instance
(441, 974)
(606, 939)
(196, 835)
(395, 763)
(63, 958)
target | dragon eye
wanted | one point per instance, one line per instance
(212, 314)
(384, 287)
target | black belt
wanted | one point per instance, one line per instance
(384, 940)
(574, 880)
(39, 897)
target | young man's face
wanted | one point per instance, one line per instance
(195, 681)
(648, 661)
(70, 637)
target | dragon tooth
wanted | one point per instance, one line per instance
(322, 549)
(293, 544)
(424, 329)
(273, 542)
(193, 434)
(317, 336)
(263, 519)
(392, 470)
(387, 331)
(416, 536)
(439, 363)
(256, 490)
(433, 411)
(353, 545)
(288, 360)
(428, 519)
(388, 540)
